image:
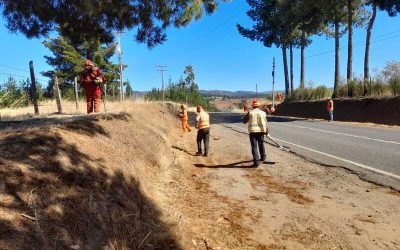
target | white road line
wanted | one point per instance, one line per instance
(378, 171)
(336, 133)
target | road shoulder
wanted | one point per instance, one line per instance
(289, 203)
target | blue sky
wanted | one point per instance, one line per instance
(221, 58)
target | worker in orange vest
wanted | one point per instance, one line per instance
(91, 78)
(184, 117)
(203, 133)
(329, 107)
(278, 97)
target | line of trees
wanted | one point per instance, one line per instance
(15, 94)
(290, 24)
(185, 90)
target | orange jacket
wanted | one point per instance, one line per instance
(183, 115)
(329, 105)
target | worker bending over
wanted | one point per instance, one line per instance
(203, 133)
(184, 117)
(257, 127)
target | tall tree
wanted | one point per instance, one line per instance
(393, 8)
(67, 61)
(334, 18)
(356, 16)
(291, 70)
(308, 16)
(81, 21)
(272, 26)
(350, 13)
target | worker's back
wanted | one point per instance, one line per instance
(204, 121)
(257, 121)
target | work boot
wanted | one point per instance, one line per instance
(256, 164)
(205, 155)
(199, 153)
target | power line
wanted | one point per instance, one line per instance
(162, 69)
(356, 45)
(14, 68)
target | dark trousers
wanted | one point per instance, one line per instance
(203, 135)
(257, 140)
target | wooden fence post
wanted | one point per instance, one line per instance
(76, 93)
(57, 94)
(33, 88)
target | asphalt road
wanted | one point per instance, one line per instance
(371, 152)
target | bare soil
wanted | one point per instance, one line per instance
(131, 181)
(288, 203)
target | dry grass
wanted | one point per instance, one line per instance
(49, 108)
(89, 182)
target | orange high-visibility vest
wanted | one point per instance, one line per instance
(184, 115)
(204, 121)
(329, 105)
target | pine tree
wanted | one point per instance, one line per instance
(67, 61)
(87, 20)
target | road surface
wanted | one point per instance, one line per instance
(371, 152)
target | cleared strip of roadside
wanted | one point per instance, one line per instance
(378, 171)
(337, 133)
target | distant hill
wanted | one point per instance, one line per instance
(233, 93)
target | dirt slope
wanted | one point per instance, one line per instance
(88, 182)
(130, 181)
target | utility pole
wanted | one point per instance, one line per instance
(273, 83)
(257, 90)
(121, 67)
(162, 69)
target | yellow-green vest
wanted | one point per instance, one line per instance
(257, 121)
(204, 120)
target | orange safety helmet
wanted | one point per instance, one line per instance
(88, 63)
(199, 108)
(255, 103)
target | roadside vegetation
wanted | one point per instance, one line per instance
(290, 25)
(185, 90)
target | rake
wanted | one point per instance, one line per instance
(277, 144)
(215, 137)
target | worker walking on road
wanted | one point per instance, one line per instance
(257, 120)
(91, 77)
(184, 118)
(329, 107)
(203, 133)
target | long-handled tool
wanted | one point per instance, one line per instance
(277, 144)
(105, 97)
(214, 137)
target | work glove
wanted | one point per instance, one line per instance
(98, 80)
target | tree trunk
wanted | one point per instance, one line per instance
(368, 46)
(285, 68)
(350, 48)
(302, 67)
(337, 58)
(291, 71)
